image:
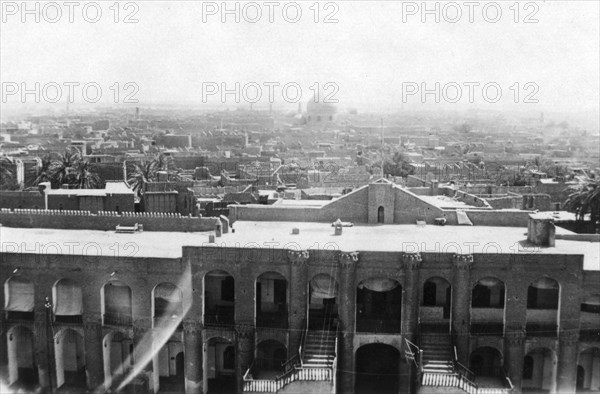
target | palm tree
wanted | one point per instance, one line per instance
(43, 173)
(82, 176)
(585, 199)
(7, 173)
(63, 166)
(147, 172)
(142, 174)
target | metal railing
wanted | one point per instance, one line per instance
(293, 370)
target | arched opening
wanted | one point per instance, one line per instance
(539, 370)
(168, 302)
(381, 215)
(170, 368)
(487, 307)
(590, 318)
(270, 355)
(588, 370)
(219, 297)
(486, 362)
(68, 301)
(117, 352)
(378, 305)
(219, 366)
(70, 360)
(116, 303)
(542, 308)
(435, 308)
(377, 369)
(19, 298)
(271, 301)
(22, 368)
(322, 302)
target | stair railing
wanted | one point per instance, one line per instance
(303, 343)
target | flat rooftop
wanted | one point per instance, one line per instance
(445, 202)
(403, 238)
(98, 243)
(372, 238)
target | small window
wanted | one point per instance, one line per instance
(118, 209)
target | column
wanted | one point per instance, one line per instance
(410, 301)
(43, 339)
(514, 341)
(192, 343)
(461, 304)
(566, 379)
(347, 314)
(298, 297)
(410, 315)
(142, 348)
(94, 360)
(244, 339)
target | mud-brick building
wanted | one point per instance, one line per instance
(282, 300)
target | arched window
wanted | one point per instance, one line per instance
(381, 215)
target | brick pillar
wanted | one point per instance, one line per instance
(347, 314)
(3, 347)
(142, 347)
(410, 315)
(298, 297)
(192, 343)
(94, 358)
(514, 341)
(244, 339)
(567, 362)
(461, 304)
(43, 340)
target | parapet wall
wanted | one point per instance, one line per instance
(104, 221)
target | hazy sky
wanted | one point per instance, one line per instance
(368, 54)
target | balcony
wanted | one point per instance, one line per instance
(19, 316)
(117, 319)
(77, 319)
(548, 330)
(273, 319)
(222, 316)
(487, 321)
(589, 334)
(377, 325)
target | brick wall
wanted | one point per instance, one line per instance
(83, 220)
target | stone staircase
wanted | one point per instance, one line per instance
(438, 353)
(319, 349)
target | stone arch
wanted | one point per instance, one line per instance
(543, 300)
(219, 298)
(117, 305)
(67, 299)
(379, 305)
(217, 365)
(486, 361)
(69, 354)
(377, 367)
(117, 349)
(542, 364)
(167, 302)
(22, 365)
(270, 356)
(589, 363)
(436, 304)
(487, 306)
(323, 290)
(19, 297)
(272, 295)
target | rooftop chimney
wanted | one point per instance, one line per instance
(541, 230)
